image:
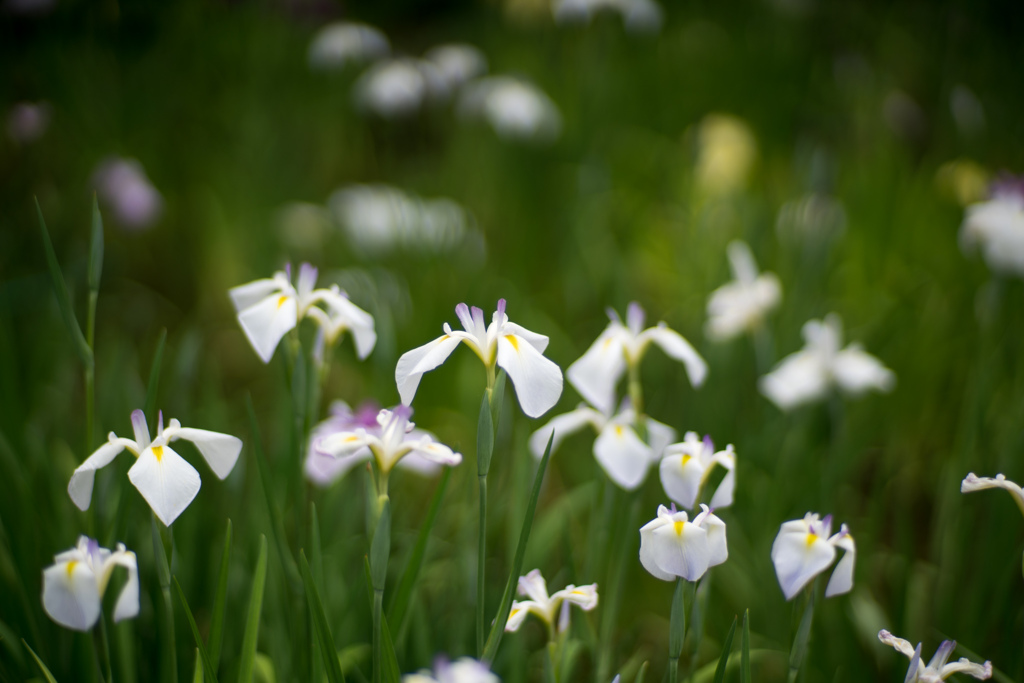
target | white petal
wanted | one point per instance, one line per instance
(682, 549)
(71, 595)
(324, 469)
(647, 544)
(901, 645)
(355, 319)
(718, 546)
(414, 363)
(436, 452)
(537, 380)
(417, 464)
(516, 617)
(857, 371)
(798, 558)
(220, 450)
(680, 477)
(842, 577)
(744, 268)
(585, 597)
(167, 482)
(340, 444)
(963, 665)
(127, 606)
(798, 378)
(596, 372)
(535, 587)
(972, 482)
(80, 486)
(659, 435)
(267, 321)
(622, 455)
(677, 348)
(247, 295)
(537, 341)
(724, 493)
(563, 425)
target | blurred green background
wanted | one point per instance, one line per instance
(858, 105)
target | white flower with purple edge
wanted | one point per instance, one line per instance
(547, 607)
(672, 546)
(164, 478)
(937, 669)
(270, 308)
(619, 450)
(463, 670)
(685, 468)
(620, 346)
(516, 350)
(804, 548)
(73, 586)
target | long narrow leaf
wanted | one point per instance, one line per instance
(389, 661)
(220, 603)
(60, 289)
(498, 629)
(317, 572)
(39, 662)
(200, 648)
(95, 247)
(803, 637)
(322, 628)
(641, 673)
(252, 622)
(724, 659)
(745, 649)
(197, 672)
(154, 377)
(399, 607)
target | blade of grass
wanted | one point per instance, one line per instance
(163, 549)
(641, 673)
(252, 622)
(60, 289)
(724, 659)
(398, 609)
(220, 603)
(380, 549)
(200, 648)
(39, 663)
(484, 450)
(676, 631)
(154, 377)
(803, 636)
(323, 630)
(93, 278)
(745, 661)
(498, 629)
(197, 672)
(317, 572)
(389, 661)
(95, 247)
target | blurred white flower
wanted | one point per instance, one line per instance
(378, 219)
(726, 152)
(123, 186)
(672, 546)
(516, 109)
(972, 483)
(464, 670)
(620, 346)
(393, 438)
(937, 669)
(518, 351)
(741, 305)
(28, 121)
(164, 478)
(803, 549)
(686, 466)
(336, 45)
(808, 375)
(639, 16)
(398, 88)
(457, 63)
(269, 308)
(547, 607)
(619, 450)
(997, 225)
(74, 585)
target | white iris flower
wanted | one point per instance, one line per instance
(809, 374)
(164, 478)
(464, 670)
(270, 308)
(547, 607)
(619, 450)
(937, 669)
(621, 346)
(973, 482)
(741, 305)
(686, 467)
(803, 549)
(673, 546)
(518, 351)
(997, 226)
(74, 585)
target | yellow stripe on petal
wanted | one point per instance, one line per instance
(158, 451)
(281, 300)
(511, 339)
(71, 567)
(679, 527)
(811, 538)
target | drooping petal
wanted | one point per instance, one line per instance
(647, 554)
(324, 469)
(682, 549)
(71, 595)
(585, 597)
(677, 348)
(535, 587)
(842, 576)
(436, 452)
(902, 646)
(127, 606)
(596, 372)
(267, 321)
(219, 450)
(414, 363)
(417, 464)
(857, 371)
(799, 378)
(965, 666)
(341, 444)
(80, 486)
(166, 481)
(353, 318)
(516, 617)
(249, 294)
(537, 341)
(562, 426)
(622, 455)
(972, 482)
(681, 476)
(798, 557)
(724, 493)
(537, 380)
(718, 546)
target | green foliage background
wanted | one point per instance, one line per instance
(217, 102)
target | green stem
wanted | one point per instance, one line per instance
(481, 560)
(163, 539)
(378, 607)
(102, 647)
(552, 667)
(676, 631)
(485, 448)
(803, 634)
